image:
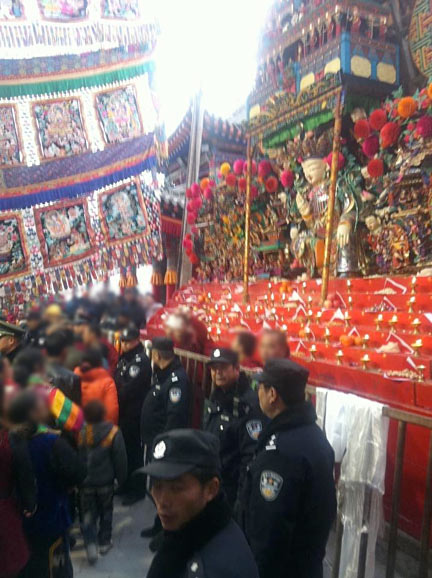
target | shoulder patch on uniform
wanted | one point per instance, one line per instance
(270, 485)
(254, 428)
(175, 394)
(134, 371)
(138, 358)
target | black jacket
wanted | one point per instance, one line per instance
(209, 546)
(168, 404)
(133, 380)
(234, 416)
(290, 499)
(65, 380)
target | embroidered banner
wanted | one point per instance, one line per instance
(60, 128)
(13, 253)
(119, 115)
(126, 9)
(63, 10)
(10, 152)
(11, 10)
(64, 231)
(122, 213)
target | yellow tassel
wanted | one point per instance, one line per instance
(170, 277)
(156, 279)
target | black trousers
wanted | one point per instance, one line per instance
(135, 454)
(96, 507)
(49, 558)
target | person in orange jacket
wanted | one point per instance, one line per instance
(97, 383)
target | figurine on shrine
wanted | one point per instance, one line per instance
(356, 21)
(383, 28)
(313, 208)
(399, 247)
(378, 242)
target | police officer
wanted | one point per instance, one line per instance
(11, 340)
(289, 501)
(234, 416)
(133, 381)
(169, 402)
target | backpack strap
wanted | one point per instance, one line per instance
(108, 440)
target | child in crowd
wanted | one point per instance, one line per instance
(97, 383)
(57, 469)
(103, 450)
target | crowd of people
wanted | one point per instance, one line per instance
(243, 488)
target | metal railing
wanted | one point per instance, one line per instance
(195, 363)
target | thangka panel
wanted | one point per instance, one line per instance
(63, 10)
(13, 253)
(123, 214)
(120, 9)
(119, 114)
(60, 128)
(64, 232)
(10, 151)
(11, 10)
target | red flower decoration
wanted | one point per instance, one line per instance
(253, 192)
(341, 162)
(377, 119)
(191, 218)
(188, 244)
(197, 204)
(231, 180)
(362, 129)
(371, 146)
(242, 184)
(189, 194)
(424, 126)
(264, 168)
(196, 190)
(271, 185)
(389, 134)
(194, 230)
(287, 179)
(376, 168)
(253, 170)
(238, 166)
(194, 259)
(208, 194)
(190, 207)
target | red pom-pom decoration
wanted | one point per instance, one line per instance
(208, 194)
(253, 192)
(194, 259)
(370, 146)
(424, 126)
(188, 244)
(271, 185)
(361, 129)
(189, 194)
(190, 207)
(238, 166)
(191, 218)
(377, 119)
(194, 230)
(264, 169)
(375, 168)
(253, 169)
(287, 179)
(389, 134)
(196, 190)
(341, 162)
(242, 184)
(197, 204)
(231, 180)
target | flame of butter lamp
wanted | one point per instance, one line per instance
(248, 308)
(209, 296)
(416, 324)
(413, 284)
(417, 346)
(349, 285)
(326, 335)
(378, 321)
(304, 285)
(209, 329)
(229, 296)
(310, 315)
(339, 357)
(283, 297)
(218, 331)
(308, 332)
(365, 360)
(350, 302)
(366, 339)
(223, 308)
(216, 307)
(310, 299)
(319, 315)
(313, 351)
(393, 321)
(347, 318)
(421, 369)
(411, 304)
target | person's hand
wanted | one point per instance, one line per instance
(343, 234)
(303, 205)
(28, 514)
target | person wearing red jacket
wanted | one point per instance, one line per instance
(97, 383)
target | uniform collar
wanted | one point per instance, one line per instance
(295, 416)
(163, 374)
(139, 349)
(226, 397)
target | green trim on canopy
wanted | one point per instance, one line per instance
(65, 84)
(290, 131)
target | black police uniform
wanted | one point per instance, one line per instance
(133, 381)
(289, 500)
(210, 545)
(234, 416)
(168, 404)
(8, 329)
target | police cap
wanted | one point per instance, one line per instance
(286, 376)
(8, 329)
(180, 451)
(163, 344)
(223, 355)
(130, 333)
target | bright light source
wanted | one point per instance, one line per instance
(207, 44)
